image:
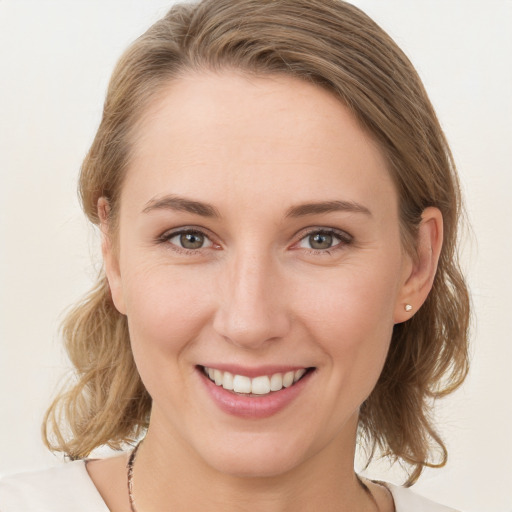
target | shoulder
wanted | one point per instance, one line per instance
(407, 500)
(60, 489)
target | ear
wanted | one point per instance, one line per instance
(110, 256)
(422, 270)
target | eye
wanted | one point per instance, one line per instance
(188, 239)
(324, 239)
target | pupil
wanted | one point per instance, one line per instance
(320, 241)
(192, 240)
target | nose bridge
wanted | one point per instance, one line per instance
(250, 312)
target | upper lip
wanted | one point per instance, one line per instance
(254, 371)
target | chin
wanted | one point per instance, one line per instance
(254, 458)
(241, 467)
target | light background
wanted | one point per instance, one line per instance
(55, 60)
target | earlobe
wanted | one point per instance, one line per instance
(420, 278)
(110, 256)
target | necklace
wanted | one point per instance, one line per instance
(129, 467)
(133, 456)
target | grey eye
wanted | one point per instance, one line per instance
(321, 240)
(324, 239)
(191, 240)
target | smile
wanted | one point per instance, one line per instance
(260, 385)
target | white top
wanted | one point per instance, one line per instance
(68, 487)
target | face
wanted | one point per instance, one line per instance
(258, 242)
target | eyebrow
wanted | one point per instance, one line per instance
(305, 209)
(177, 203)
(181, 204)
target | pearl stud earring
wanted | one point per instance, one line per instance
(408, 307)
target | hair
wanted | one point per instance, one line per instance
(336, 46)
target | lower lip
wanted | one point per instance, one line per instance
(255, 407)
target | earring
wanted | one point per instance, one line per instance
(408, 307)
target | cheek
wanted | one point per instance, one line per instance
(166, 312)
(166, 307)
(351, 317)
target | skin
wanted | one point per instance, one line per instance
(256, 292)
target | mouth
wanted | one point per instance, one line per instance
(259, 386)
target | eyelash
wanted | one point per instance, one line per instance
(166, 238)
(343, 238)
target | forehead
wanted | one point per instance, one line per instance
(227, 135)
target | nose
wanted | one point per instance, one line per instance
(251, 310)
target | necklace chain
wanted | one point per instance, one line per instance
(133, 456)
(129, 467)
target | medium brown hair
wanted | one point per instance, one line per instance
(334, 45)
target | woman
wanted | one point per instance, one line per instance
(278, 209)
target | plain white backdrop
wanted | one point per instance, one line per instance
(56, 57)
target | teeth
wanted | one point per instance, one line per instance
(258, 386)
(288, 379)
(241, 384)
(227, 381)
(299, 374)
(276, 382)
(218, 377)
(261, 385)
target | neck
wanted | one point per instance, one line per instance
(168, 475)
